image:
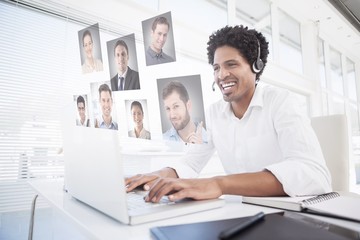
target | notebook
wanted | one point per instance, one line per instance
(284, 225)
(331, 204)
(94, 175)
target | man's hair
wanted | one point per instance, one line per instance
(121, 43)
(104, 88)
(80, 99)
(136, 103)
(87, 32)
(160, 20)
(178, 87)
(245, 40)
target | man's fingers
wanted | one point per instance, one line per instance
(149, 185)
(196, 137)
(165, 187)
(184, 193)
(192, 138)
(199, 129)
(138, 180)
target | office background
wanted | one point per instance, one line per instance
(314, 52)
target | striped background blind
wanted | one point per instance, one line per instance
(39, 67)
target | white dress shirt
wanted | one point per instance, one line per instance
(273, 134)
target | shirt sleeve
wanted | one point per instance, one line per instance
(194, 160)
(196, 156)
(303, 170)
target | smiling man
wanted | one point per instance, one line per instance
(159, 33)
(264, 141)
(81, 106)
(126, 78)
(178, 105)
(106, 103)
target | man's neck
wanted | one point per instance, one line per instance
(155, 50)
(107, 120)
(240, 106)
(187, 130)
(121, 73)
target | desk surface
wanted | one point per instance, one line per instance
(95, 225)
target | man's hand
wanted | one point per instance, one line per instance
(196, 137)
(176, 189)
(148, 179)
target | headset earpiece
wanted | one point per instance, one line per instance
(258, 65)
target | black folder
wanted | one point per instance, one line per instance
(284, 225)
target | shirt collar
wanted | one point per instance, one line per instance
(102, 123)
(173, 132)
(258, 97)
(154, 54)
(124, 74)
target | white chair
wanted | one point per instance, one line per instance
(332, 133)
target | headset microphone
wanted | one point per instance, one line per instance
(258, 65)
(213, 86)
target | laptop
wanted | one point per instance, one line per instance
(94, 175)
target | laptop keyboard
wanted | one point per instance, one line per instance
(135, 200)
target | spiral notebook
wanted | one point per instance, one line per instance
(331, 204)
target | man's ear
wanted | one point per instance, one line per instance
(189, 105)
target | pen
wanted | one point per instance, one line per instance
(227, 233)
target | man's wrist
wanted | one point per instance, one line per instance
(220, 180)
(168, 172)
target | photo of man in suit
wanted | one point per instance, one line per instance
(125, 78)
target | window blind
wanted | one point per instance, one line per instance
(40, 68)
(33, 51)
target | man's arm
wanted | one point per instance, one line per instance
(262, 183)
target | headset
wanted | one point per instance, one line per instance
(258, 65)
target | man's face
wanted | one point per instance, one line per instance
(88, 46)
(121, 58)
(177, 111)
(159, 36)
(233, 74)
(81, 110)
(137, 115)
(105, 103)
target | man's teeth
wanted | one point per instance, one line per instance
(227, 85)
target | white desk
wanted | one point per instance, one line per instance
(95, 225)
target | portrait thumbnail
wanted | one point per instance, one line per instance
(159, 39)
(90, 49)
(182, 109)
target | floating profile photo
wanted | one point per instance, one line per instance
(103, 106)
(182, 109)
(159, 39)
(90, 49)
(82, 118)
(123, 66)
(138, 118)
